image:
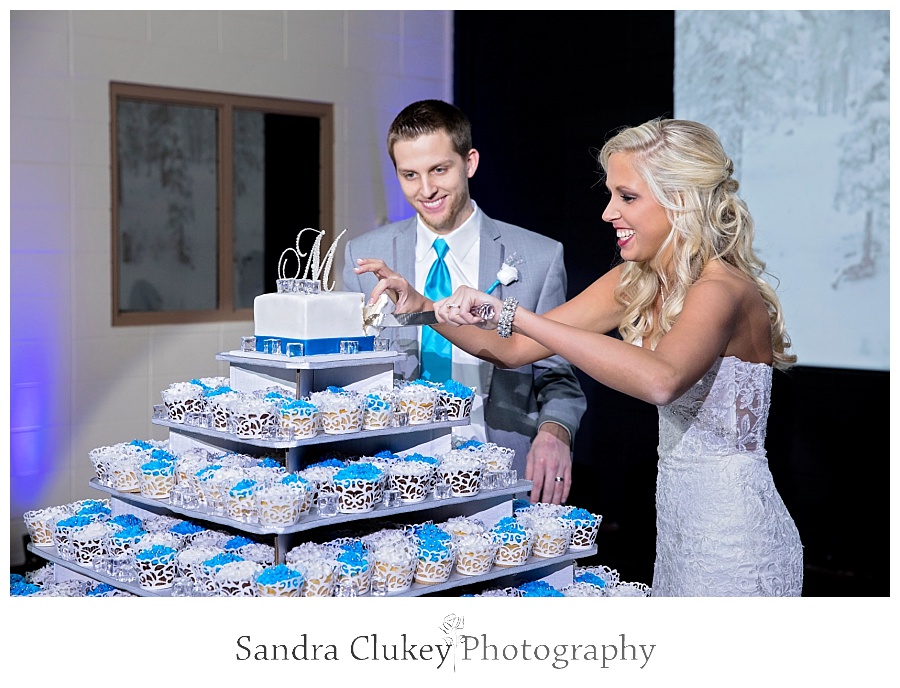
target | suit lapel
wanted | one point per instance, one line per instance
(491, 256)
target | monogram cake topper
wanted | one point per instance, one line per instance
(315, 270)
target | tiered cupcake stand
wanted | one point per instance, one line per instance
(299, 376)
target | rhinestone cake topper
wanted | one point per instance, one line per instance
(315, 274)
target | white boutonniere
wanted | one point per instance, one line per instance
(508, 273)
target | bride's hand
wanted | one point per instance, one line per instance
(406, 299)
(466, 307)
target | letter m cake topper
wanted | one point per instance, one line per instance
(315, 269)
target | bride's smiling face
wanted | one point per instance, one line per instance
(640, 221)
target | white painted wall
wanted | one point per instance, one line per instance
(76, 382)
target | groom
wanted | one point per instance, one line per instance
(535, 409)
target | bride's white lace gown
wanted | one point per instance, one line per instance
(722, 527)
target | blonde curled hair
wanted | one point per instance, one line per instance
(689, 174)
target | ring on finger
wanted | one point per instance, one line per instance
(452, 305)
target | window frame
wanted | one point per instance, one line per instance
(225, 105)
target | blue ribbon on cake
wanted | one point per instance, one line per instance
(313, 347)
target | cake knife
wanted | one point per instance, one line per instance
(485, 311)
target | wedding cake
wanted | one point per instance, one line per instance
(307, 310)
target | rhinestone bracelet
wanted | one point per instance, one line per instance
(504, 323)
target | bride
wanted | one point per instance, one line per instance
(700, 332)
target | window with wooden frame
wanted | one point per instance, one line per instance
(208, 189)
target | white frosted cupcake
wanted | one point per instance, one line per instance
(462, 470)
(252, 418)
(41, 523)
(551, 535)
(278, 505)
(340, 411)
(237, 578)
(319, 577)
(90, 542)
(182, 398)
(475, 554)
(394, 563)
(497, 458)
(189, 562)
(413, 479)
(219, 405)
(418, 398)
(460, 526)
(125, 473)
(101, 457)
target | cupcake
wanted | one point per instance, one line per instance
(497, 458)
(237, 578)
(377, 412)
(41, 523)
(300, 417)
(101, 458)
(456, 399)
(258, 552)
(186, 531)
(353, 565)
(584, 527)
(539, 588)
(126, 540)
(252, 418)
(189, 563)
(218, 404)
(436, 555)
(157, 477)
(514, 540)
(240, 501)
(62, 535)
(356, 486)
(413, 479)
(551, 535)
(462, 470)
(394, 562)
(418, 399)
(125, 473)
(475, 554)
(318, 564)
(182, 398)
(89, 543)
(278, 505)
(340, 411)
(156, 567)
(460, 526)
(279, 581)
(304, 487)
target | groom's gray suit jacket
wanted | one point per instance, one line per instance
(518, 400)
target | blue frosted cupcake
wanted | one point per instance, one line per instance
(279, 581)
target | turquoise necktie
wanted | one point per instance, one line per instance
(436, 350)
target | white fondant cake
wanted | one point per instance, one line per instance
(308, 311)
(319, 321)
(326, 315)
